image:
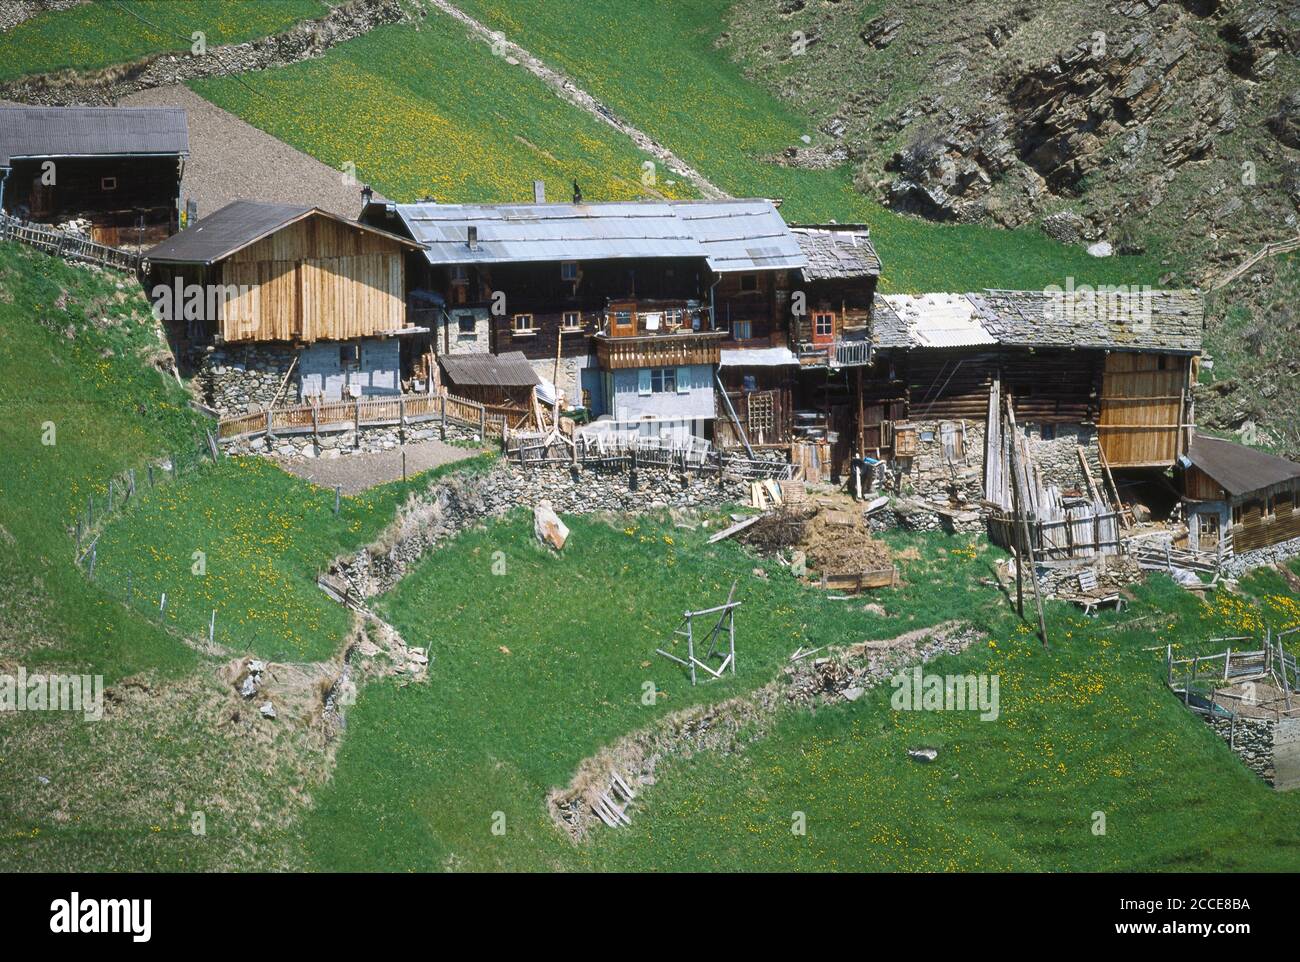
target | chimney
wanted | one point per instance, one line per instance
(471, 237)
(539, 192)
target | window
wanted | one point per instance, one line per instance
(663, 380)
(568, 270)
(465, 323)
(459, 274)
(823, 325)
(1049, 432)
(349, 357)
(742, 330)
(673, 318)
(749, 282)
(572, 321)
(108, 183)
(523, 324)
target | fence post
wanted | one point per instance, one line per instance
(443, 399)
(338, 491)
(482, 422)
(356, 433)
(212, 625)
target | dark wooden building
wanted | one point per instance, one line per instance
(1236, 497)
(118, 167)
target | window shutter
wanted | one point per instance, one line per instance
(683, 380)
(643, 380)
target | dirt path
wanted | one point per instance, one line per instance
(566, 88)
(358, 472)
(233, 160)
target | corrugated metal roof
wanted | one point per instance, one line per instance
(836, 251)
(940, 320)
(732, 235)
(758, 357)
(494, 370)
(237, 225)
(1237, 468)
(30, 132)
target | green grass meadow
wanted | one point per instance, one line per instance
(1085, 727)
(107, 32)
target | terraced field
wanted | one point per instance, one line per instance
(107, 32)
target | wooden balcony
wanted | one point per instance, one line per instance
(659, 350)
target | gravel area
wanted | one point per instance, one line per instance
(358, 472)
(233, 160)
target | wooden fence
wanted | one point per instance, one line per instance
(73, 247)
(403, 410)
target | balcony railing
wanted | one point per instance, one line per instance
(840, 353)
(659, 350)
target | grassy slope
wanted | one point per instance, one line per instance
(109, 413)
(265, 535)
(110, 32)
(662, 71)
(428, 111)
(1087, 727)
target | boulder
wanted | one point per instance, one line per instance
(548, 527)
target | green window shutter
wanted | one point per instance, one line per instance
(643, 380)
(683, 380)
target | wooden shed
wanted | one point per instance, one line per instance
(118, 167)
(255, 271)
(1230, 489)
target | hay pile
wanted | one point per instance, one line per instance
(833, 541)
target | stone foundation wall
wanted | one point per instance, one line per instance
(1238, 565)
(239, 379)
(1058, 458)
(464, 500)
(931, 478)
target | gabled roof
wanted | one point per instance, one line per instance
(238, 225)
(493, 370)
(1144, 320)
(732, 235)
(38, 132)
(1239, 469)
(836, 251)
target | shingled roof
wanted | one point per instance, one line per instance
(237, 225)
(836, 251)
(1135, 320)
(1239, 469)
(1166, 321)
(39, 132)
(493, 370)
(732, 235)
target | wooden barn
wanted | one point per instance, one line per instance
(1237, 497)
(293, 282)
(119, 168)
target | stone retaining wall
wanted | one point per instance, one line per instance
(328, 445)
(1251, 739)
(466, 499)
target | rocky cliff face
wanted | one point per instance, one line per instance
(1123, 121)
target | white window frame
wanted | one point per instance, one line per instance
(568, 270)
(517, 330)
(577, 321)
(663, 376)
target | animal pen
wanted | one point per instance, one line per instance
(726, 621)
(1228, 684)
